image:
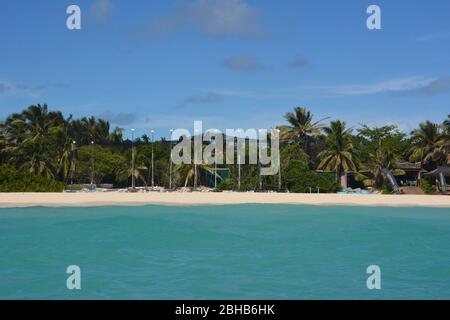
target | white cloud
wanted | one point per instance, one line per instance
(257, 94)
(245, 62)
(215, 18)
(101, 9)
(209, 98)
(299, 62)
(433, 36)
(32, 90)
(408, 85)
(3, 87)
(121, 119)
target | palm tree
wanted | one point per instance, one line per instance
(30, 138)
(35, 157)
(301, 127)
(116, 136)
(340, 155)
(96, 130)
(85, 130)
(383, 158)
(188, 172)
(66, 150)
(430, 144)
(33, 123)
(38, 122)
(102, 130)
(138, 173)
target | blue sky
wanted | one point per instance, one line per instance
(231, 63)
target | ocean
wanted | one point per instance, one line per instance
(225, 252)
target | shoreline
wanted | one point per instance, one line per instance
(23, 200)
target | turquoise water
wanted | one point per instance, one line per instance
(225, 252)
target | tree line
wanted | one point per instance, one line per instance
(69, 151)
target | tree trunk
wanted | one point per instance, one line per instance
(195, 177)
(306, 145)
(343, 180)
(338, 176)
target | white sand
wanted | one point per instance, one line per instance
(197, 198)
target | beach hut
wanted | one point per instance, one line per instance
(412, 174)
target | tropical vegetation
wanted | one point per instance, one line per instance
(42, 150)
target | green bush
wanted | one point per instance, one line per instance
(427, 186)
(387, 189)
(300, 180)
(19, 180)
(226, 185)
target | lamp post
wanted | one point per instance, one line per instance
(132, 160)
(238, 146)
(92, 164)
(259, 163)
(72, 166)
(195, 160)
(215, 163)
(153, 160)
(170, 161)
(279, 164)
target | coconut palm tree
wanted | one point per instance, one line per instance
(188, 172)
(30, 138)
(383, 158)
(38, 122)
(340, 155)
(97, 130)
(35, 157)
(116, 136)
(301, 127)
(430, 144)
(66, 150)
(85, 130)
(139, 174)
(138, 171)
(33, 123)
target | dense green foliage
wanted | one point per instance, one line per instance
(340, 154)
(226, 185)
(20, 180)
(299, 179)
(430, 144)
(427, 186)
(43, 144)
(380, 148)
(387, 189)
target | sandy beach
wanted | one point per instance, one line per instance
(8, 200)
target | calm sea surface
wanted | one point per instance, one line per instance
(225, 252)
